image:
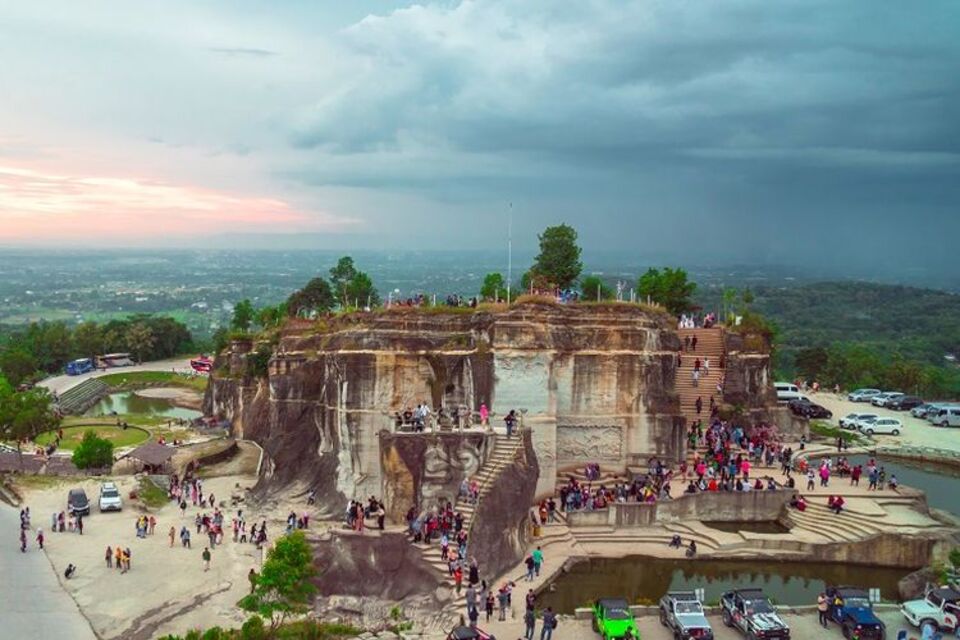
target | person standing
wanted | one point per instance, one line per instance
(693, 343)
(822, 606)
(108, 557)
(40, 538)
(172, 535)
(23, 540)
(549, 621)
(80, 524)
(530, 620)
(206, 559)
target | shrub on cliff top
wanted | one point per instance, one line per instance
(559, 258)
(93, 452)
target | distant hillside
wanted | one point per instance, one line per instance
(919, 324)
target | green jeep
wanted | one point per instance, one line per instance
(612, 619)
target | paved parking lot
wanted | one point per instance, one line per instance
(917, 432)
(802, 627)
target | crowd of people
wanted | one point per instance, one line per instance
(696, 320)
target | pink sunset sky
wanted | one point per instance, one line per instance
(398, 123)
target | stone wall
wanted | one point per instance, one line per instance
(711, 506)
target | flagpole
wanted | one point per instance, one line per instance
(509, 251)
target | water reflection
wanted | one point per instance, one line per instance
(128, 402)
(641, 578)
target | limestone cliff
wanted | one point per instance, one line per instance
(596, 382)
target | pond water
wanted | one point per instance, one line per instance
(128, 402)
(940, 482)
(643, 578)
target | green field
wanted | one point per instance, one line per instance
(132, 379)
(73, 435)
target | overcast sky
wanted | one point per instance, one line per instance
(785, 131)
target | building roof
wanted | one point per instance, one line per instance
(153, 453)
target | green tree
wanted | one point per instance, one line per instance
(811, 362)
(729, 300)
(315, 297)
(559, 257)
(361, 291)
(669, 288)
(594, 288)
(18, 365)
(140, 340)
(25, 414)
(340, 277)
(494, 287)
(284, 585)
(243, 315)
(93, 452)
(88, 339)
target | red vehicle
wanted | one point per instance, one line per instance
(203, 364)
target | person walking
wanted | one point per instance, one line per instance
(488, 605)
(530, 564)
(693, 343)
(549, 621)
(822, 606)
(108, 557)
(40, 538)
(530, 620)
(23, 540)
(503, 599)
(206, 559)
(172, 534)
(80, 524)
(537, 556)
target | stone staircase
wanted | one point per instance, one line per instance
(503, 454)
(79, 398)
(709, 345)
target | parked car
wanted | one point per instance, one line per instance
(787, 391)
(921, 410)
(750, 612)
(862, 395)
(682, 613)
(468, 633)
(854, 613)
(816, 412)
(612, 619)
(110, 499)
(934, 411)
(947, 417)
(941, 607)
(849, 421)
(904, 403)
(882, 399)
(888, 426)
(77, 502)
(865, 420)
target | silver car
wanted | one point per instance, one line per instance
(881, 400)
(862, 395)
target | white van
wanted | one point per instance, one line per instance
(947, 417)
(787, 391)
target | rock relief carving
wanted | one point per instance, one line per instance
(589, 443)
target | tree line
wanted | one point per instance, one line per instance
(46, 347)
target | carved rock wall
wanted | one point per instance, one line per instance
(596, 383)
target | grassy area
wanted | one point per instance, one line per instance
(828, 431)
(28, 481)
(137, 379)
(73, 435)
(145, 420)
(150, 494)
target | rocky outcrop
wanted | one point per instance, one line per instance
(381, 564)
(595, 383)
(499, 533)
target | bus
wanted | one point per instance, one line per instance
(114, 360)
(203, 364)
(79, 366)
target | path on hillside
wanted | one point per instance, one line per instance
(61, 383)
(33, 603)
